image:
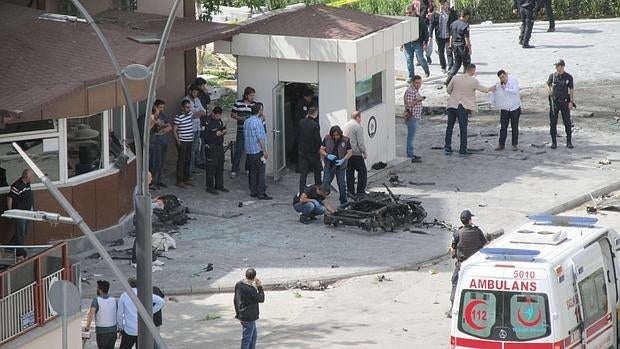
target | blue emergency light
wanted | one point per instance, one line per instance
(563, 220)
(509, 253)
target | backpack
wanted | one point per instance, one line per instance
(173, 212)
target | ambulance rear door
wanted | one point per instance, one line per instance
(596, 295)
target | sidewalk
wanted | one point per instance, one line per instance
(499, 187)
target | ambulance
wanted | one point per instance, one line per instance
(552, 283)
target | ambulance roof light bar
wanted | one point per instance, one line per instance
(509, 253)
(574, 221)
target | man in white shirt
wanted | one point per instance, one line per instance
(127, 316)
(508, 100)
(355, 131)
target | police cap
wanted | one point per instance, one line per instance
(560, 61)
(466, 215)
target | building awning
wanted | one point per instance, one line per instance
(57, 70)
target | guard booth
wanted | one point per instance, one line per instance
(346, 57)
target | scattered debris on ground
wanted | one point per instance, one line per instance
(378, 210)
(211, 316)
(605, 161)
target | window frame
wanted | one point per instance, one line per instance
(381, 93)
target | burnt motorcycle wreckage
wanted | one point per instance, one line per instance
(378, 210)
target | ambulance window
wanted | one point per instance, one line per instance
(593, 293)
(477, 313)
(528, 316)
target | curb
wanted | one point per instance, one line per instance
(580, 200)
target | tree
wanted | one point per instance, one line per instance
(213, 6)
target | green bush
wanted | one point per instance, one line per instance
(496, 11)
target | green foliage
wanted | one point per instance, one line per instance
(213, 6)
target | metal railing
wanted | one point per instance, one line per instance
(24, 291)
(17, 312)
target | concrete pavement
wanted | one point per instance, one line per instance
(501, 188)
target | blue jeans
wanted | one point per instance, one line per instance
(461, 114)
(239, 150)
(196, 160)
(410, 49)
(412, 128)
(248, 341)
(257, 174)
(329, 172)
(310, 209)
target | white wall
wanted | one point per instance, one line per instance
(382, 147)
(262, 75)
(158, 7)
(50, 336)
(336, 94)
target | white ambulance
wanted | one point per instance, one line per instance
(552, 284)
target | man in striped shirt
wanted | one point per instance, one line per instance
(184, 136)
(240, 112)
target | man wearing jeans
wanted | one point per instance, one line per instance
(413, 114)
(255, 142)
(240, 112)
(184, 137)
(248, 293)
(460, 44)
(461, 103)
(418, 46)
(127, 316)
(336, 151)
(311, 202)
(198, 111)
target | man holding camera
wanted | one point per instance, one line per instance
(466, 241)
(213, 136)
(336, 150)
(413, 114)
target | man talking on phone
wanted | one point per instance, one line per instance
(248, 293)
(213, 131)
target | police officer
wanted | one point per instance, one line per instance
(548, 12)
(466, 241)
(525, 9)
(213, 134)
(561, 100)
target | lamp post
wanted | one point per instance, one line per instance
(142, 200)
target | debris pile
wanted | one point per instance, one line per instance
(378, 210)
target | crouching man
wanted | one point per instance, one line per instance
(312, 202)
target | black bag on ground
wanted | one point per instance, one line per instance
(173, 212)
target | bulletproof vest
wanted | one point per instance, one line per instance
(469, 242)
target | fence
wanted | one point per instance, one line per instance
(24, 291)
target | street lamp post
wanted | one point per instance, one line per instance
(142, 200)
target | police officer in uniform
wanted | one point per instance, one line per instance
(561, 100)
(466, 241)
(548, 12)
(525, 9)
(213, 134)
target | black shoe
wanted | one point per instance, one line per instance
(162, 185)
(223, 190)
(305, 219)
(253, 195)
(153, 187)
(569, 146)
(312, 218)
(429, 61)
(447, 151)
(551, 30)
(554, 145)
(464, 153)
(520, 42)
(264, 197)
(416, 159)
(528, 46)
(212, 191)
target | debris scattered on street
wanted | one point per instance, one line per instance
(591, 209)
(433, 271)
(378, 210)
(605, 161)
(382, 278)
(334, 266)
(483, 204)
(211, 316)
(421, 183)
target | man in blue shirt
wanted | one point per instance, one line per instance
(255, 142)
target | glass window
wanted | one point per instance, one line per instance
(593, 293)
(40, 126)
(117, 136)
(504, 316)
(369, 92)
(43, 151)
(84, 144)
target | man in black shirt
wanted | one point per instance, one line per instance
(460, 43)
(311, 202)
(561, 100)
(213, 135)
(466, 241)
(20, 198)
(336, 151)
(309, 148)
(248, 293)
(304, 104)
(525, 9)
